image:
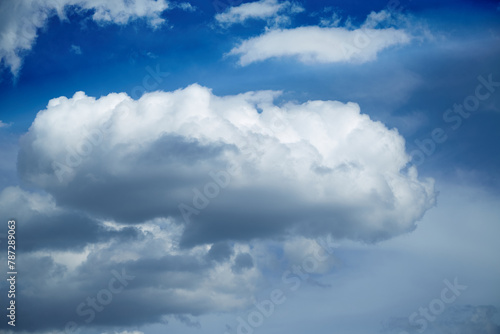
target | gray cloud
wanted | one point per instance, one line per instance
(159, 285)
(220, 251)
(46, 227)
(243, 261)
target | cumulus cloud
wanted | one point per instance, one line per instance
(263, 10)
(314, 44)
(226, 168)
(3, 125)
(20, 20)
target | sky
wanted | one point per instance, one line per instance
(240, 167)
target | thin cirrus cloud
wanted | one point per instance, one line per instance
(315, 44)
(262, 10)
(312, 168)
(21, 20)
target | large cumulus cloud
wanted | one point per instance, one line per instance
(311, 168)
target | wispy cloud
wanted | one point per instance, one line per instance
(315, 44)
(4, 125)
(259, 10)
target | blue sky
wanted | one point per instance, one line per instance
(120, 121)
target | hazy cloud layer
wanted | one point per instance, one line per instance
(469, 319)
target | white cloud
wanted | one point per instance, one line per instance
(263, 10)
(314, 44)
(4, 125)
(21, 19)
(313, 168)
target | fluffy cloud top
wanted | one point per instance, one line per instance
(20, 20)
(263, 9)
(313, 44)
(231, 167)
